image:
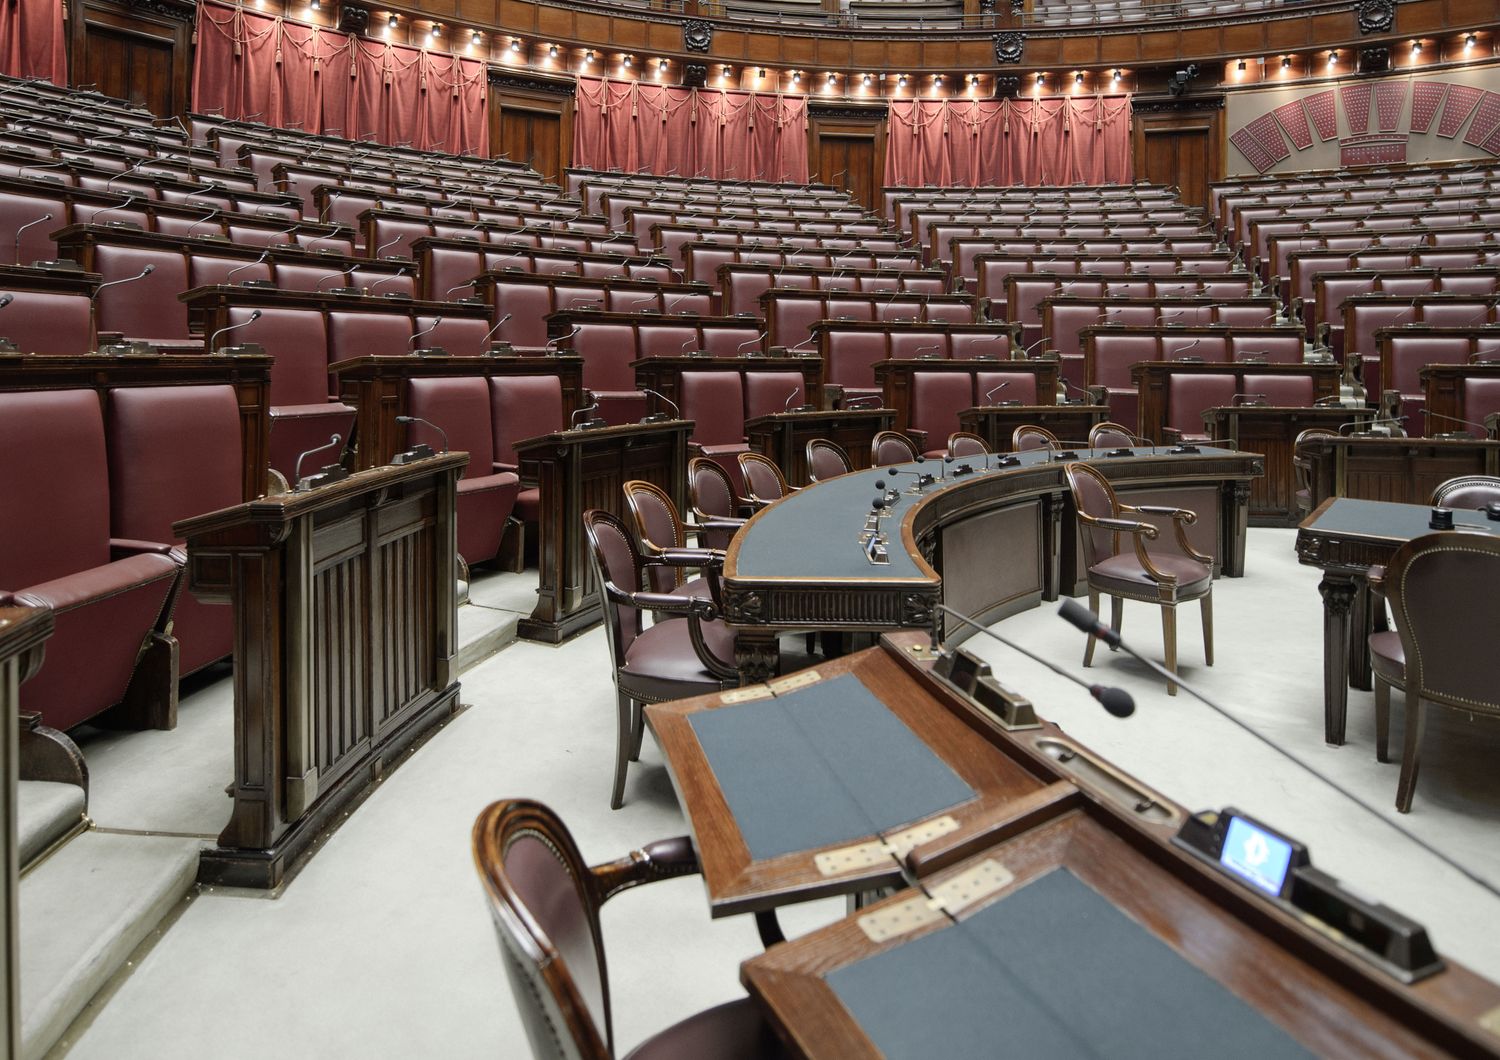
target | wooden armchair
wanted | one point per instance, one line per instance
(826, 460)
(764, 482)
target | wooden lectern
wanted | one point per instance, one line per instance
(581, 469)
(345, 621)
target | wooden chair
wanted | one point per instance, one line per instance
(1164, 578)
(1440, 587)
(826, 460)
(1302, 466)
(1467, 491)
(1027, 437)
(662, 537)
(652, 664)
(891, 447)
(764, 483)
(1109, 435)
(545, 899)
(966, 443)
(712, 495)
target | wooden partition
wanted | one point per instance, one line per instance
(894, 376)
(1153, 380)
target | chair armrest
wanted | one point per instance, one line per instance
(1186, 515)
(1376, 578)
(707, 525)
(689, 557)
(668, 604)
(124, 547)
(664, 859)
(917, 435)
(1173, 434)
(497, 467)
(1125, 526)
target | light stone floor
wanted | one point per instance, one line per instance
(382, 946)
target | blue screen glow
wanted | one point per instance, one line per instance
(1256, 856)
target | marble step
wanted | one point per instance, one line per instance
(45, 812)
(84, 910)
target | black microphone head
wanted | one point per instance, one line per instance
(1076, 614)
(1116, 701)
(879, 483)
(148, 270)
(921, 459)
(878, 503)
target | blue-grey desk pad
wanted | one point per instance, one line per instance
(1051, 970)
(825, 764)
(1388, 519)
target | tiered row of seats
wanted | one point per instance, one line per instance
(1079, 13)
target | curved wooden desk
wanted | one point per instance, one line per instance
(988, 543)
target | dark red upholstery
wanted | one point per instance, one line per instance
(47, 322)
(767, 392)
(936, 400)
(206, 270)
(58, 555)
(1289, 391)
(1481, 398)
(17, 211)
(175, 452)
(715, 402)
(460, 336)
(1188, 394)
(607, 351)
(528, 305)
(355, 334)
(1019, 386)
(147, 308)
(851, 357)
(461, 407)
(524, 407)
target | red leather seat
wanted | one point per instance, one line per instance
(175, 452)
(207, 270)
(851, 357)
(56, 551)
(768, 392)
(607, 351)
(936, 400)
(486, 498)
(715, 402)
(1481, 398)
(24, 214)
(48, 322)
(448, 267)
(1113, 357)
(460, 336)
(528, 305)
(1188, 394)
(352, 333)
(303, 415)
(524, 406)
(735, 340)
(1019, 386)
(1286, 391)
(147, 308)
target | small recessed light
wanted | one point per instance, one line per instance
(1416, 47)
(391, 22)
(1333, 58)
(866, 80)
(1286, 62)
(761, 72)
(1470, 41)
(661, 64)
(552, 51)
(1078, 78)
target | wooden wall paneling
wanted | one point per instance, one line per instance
(531, 120)
(1179, 142)
(135, 52)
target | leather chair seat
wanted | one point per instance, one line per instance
(732, 1031)
(484, 503)
(529, 505)
(661, 661)
(1123, 575)
(88, 661)
(1388, 657)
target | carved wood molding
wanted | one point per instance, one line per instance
(847, 111)
(1175, 104)
(554, 86)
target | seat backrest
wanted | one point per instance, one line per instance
(936, 400)
(715, 402)
(1441, 591)
(657, 526)
(297, 341)
(546, 915)
(460, 336)
(461, 407)
(1018, 386)
(826, 460)
(964, 443)
(1189, 393)
(24, 215)
(851, 357)
(1113, 356)
(891, 447)
(355, 334)
(1109, 435)
(768, 392)
(1467, 491)
(1094, 497)
(711, 491)
(1286, 391)
(617, 563)
(763, 479)
(528, 305)
(607, 351)
(56, 498)
(147, 308)
(174, 452)
(1029, 436)
(48, 322)
(1481, 398)
(523, 406)
(1409, 354)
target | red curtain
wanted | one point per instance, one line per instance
(1046, 140)
(31, 40)
(293, 75)
(690, 131)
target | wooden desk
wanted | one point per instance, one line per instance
(345, 628)
(1344, 538)
(783, 436)
(894, 377)
(1401, 470)
(1446, 386)
(576, 471)
(996, 423)
(1272, 431)
(1153, 381)
(664, 374)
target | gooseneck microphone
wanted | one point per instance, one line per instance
(147, 271)
(6, 300)
(1076, 614)
(483, 342)
(428, 423)
(248, 265)
(676, 412)
(992, 391)
(787, 405)
(1116, 701)
(212, 339)
(1429, 416)
(411, 343)
(20, 231)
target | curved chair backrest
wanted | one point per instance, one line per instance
(1301, 468)
(1109, 435)
(826, 460)
(1467, 491)
(966, 443)
(1093, 496)
(712, 495)
(1028, 437)
(657, 526)
(546, 912)
(763, 479)
(891, 447)
(617, 563)
(1441, 587)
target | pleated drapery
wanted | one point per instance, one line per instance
(32, 40)
(292, 75)
(690, 132)
(1043, 140)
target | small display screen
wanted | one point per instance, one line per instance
(1258, 857)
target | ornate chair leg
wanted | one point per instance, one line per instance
(1169, 641)
(1407, 785)
(623, 711)
(637, 729)
(1116, 614)
(1088, 648)
(1207, 605)
(1382, 719)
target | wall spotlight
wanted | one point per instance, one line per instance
(515, 45)
(901, 81)
(937, 79)
(314, 5)
(1115, 78)
(1470, 41)
(1241, 66)
(1333, 58)
(796, 77)
(761, 73)
(661, 64)
(832, 78)
(724, 74)
(1416, 47)
(1286, 62)
(474, 37)
(973, 79)
(1041, 79)
(625, 62)
(435, 32)
(866, 80)
(552, 51)
(1078, 78)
